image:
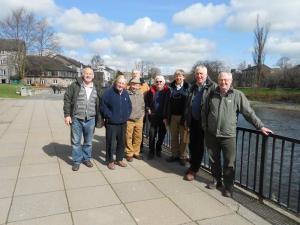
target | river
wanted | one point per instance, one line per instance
(281, 122)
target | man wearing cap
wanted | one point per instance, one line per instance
(135, 122)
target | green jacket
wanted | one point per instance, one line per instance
(70, 99)
(220, 113)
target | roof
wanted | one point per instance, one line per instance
(45, 63)
(9, 44)
(251, 68)
(68, 61)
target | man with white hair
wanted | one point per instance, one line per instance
(219, 121)
(81, 112)
(197, 94)
(155, 101)
(116, 108)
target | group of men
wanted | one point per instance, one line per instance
(199, 114)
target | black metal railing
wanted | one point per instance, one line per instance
(268, 166)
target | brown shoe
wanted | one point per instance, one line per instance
(138, 157)
(121, 163)
(129, 158)
(189, 176)
(88, 163)
(111, 166)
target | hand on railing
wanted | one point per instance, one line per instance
(266, 131)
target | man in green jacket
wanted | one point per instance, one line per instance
(81, 112)
(219, 122)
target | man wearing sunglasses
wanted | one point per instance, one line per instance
(155, 101)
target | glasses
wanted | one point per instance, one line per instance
(159, 81)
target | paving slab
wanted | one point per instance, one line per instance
(10, 160)
(91, 197)
(200, 205)
(174, 186)
(110, 215)
(79, 180)
(61, 219)
(9, 172)
(231, 219)
(136, 191)
(38, 158)
(4, 207)
(7, 187)
(157, 211)
(121, 174)
(153, 172)
(38, 205)
(31, 185)
(36, 170)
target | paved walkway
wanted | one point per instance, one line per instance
(38, 187)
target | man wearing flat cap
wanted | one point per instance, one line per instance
(134, 130)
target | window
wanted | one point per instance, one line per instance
(54, 81)
(29, 81)
(43, 81)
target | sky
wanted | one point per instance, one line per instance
(172, 34)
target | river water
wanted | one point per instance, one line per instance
(282, 167)
(281, 122)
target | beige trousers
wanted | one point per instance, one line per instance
(134, 134)
(178, 132)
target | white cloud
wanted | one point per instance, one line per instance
(70, 41)
(41, 7)
(284, 45)
(100, 45)
(144, 29)
(199, 15)
(281, 15)
(74, 21)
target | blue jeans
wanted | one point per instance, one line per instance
(86, 129)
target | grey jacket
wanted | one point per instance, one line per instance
(138, 105)
(220, 113)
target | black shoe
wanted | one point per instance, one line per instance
(75, 167)
(182, 162)
(88, 163)
(158, 154)
(172, 159)
(227, 193)
(215, 185)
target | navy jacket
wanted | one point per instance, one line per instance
(115, 107)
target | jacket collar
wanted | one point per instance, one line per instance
(185, 84)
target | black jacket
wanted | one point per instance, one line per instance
(209, 85)
(70, 99)
(176, 102)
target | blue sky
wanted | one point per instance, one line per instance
(172, 34)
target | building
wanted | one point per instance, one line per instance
(248, 77)
(47, 71)
(104, 75)
(72, 63)
(9, 49)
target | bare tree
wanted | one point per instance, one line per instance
(284, 62)
(144, 67)
(153, 72)
(258, 54)
(46, 43)
(97, 61)
(19, 26)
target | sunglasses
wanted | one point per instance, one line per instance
(159, 81)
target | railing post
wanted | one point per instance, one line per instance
(264, 148)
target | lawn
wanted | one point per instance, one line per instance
(272, 95)
(9, 91)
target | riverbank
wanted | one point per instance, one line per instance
(277, 105)
(284, 95)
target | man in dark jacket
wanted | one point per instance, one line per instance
(81, 112)
(219, 121)
(175, 117)
(155, 101)
(197, 95)
(116, 108)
